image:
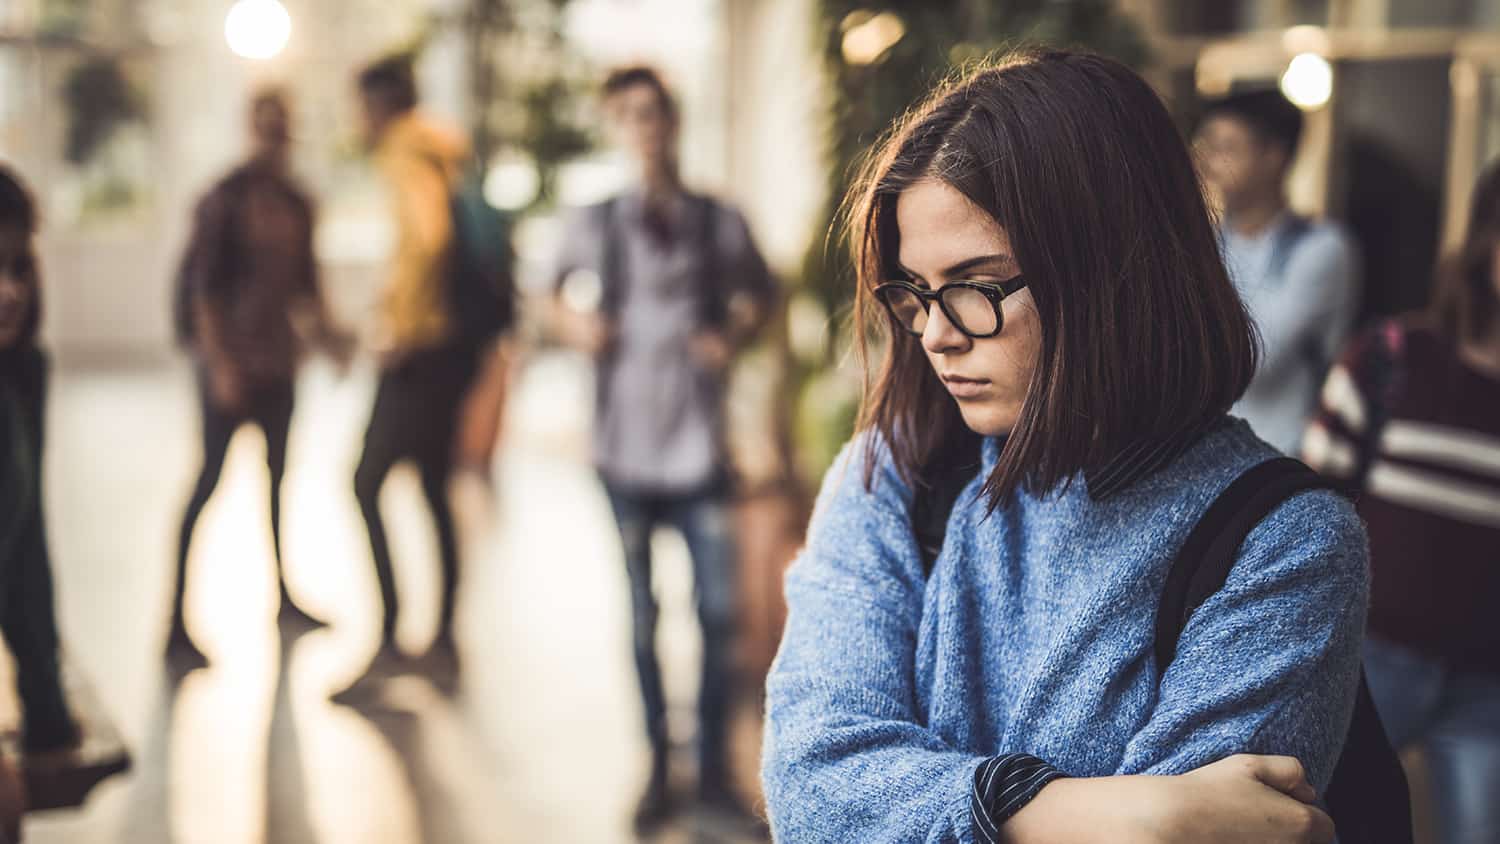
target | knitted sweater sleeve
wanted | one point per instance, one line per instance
(845, 757)
(1270, 663)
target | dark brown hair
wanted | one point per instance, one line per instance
(1270, 115)
(1465, 305)
(623, 78)
(392, 81)
(18, 213)
(1142, 334)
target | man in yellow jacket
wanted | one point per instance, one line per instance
(425, 370)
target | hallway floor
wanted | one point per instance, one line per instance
(540, 742)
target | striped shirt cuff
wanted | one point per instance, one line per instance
(1003, 785)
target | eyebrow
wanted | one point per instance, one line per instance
(964, 266)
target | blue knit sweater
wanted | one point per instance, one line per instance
(1034, 634)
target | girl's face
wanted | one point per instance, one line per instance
(17, 271)
(945, 238)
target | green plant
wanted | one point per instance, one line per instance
(99, 100)
(525, 86)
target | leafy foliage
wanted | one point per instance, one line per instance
(526, 85)
(99, 100)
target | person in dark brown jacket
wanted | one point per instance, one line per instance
(248, 307)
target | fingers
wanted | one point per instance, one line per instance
(1319, 825)
(1283, 773)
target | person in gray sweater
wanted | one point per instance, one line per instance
(1298, 276)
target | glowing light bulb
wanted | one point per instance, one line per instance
(512, 183)
(866, 39)
(1308, 81)
(257, 29)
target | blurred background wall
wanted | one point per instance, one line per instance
(124, 110)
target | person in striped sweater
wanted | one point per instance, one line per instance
(1410, 417)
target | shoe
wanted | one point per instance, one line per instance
(63, 777)
(655, 809)
(61, 766)
(182, 655)
(720, 810)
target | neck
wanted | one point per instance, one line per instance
(660, 181)
(1255, 215)
(274, 161)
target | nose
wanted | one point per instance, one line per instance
(940, 336)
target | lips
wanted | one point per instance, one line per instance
(965, 388)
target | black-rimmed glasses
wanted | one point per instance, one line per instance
(972, 306)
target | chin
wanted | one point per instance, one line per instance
(988, 420)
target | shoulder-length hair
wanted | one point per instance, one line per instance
(1465, 302)
(1142, 333)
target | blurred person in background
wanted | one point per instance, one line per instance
(248, 308)
(52, 741)
(1298, 277)
(1411, 418)
(425, 369)
(683, 288)
(1032, 252)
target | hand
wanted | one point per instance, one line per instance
(589, 333)
(1248, 798)
(1240, 800)
(712, 351)
(226, 387)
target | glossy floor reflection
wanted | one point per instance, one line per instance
(541, 740)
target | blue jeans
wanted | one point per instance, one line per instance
(1454, 717)
(703, 518)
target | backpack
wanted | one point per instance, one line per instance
(480, 283)
(1367, 797)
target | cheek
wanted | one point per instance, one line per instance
(1231, 167)
(1020, 344)
(1009, 360)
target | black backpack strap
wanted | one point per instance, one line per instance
(611, 259)
(714, 301)
(1367, 796)
(1203, 563)
(943, 479)
(1285, 243)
